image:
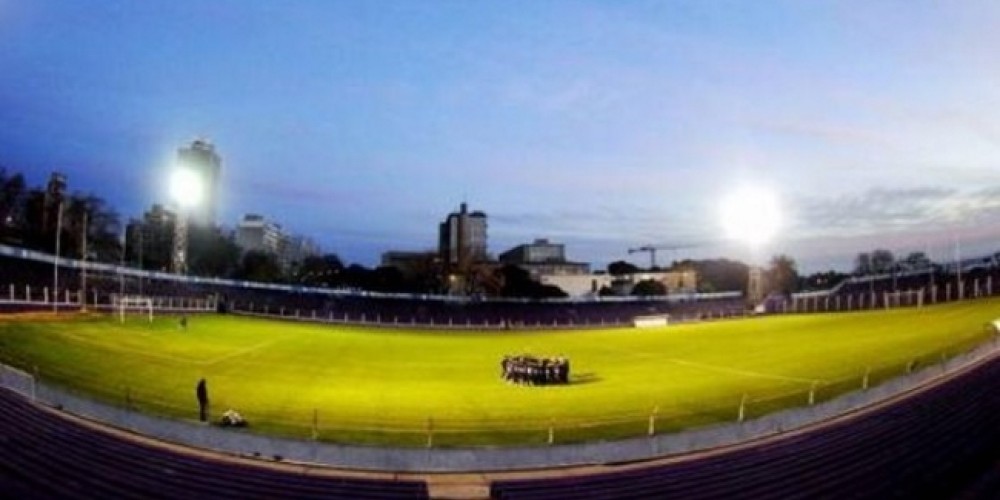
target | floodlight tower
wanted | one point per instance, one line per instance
(752, 216)
(186, 191)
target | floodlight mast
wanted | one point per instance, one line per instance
(185, 189)
(180, 242)
(752, 216)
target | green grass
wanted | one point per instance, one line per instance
(382, 386)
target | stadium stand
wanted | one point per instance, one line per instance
(358, 307)
(936, 444)
(46, 455)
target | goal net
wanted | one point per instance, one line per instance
(134, 304)
(651, 321)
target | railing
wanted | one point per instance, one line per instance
(658, 418)
(37, 298)
(32, 255)
(449, 323)
(916, 297)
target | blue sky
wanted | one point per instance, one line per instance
(603, 125)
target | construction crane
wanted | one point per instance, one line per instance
(652, 249)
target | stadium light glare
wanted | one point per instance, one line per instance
(751, 215)
(185, 187)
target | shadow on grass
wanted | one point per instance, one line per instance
(584, 378)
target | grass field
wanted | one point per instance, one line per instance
(383, 386)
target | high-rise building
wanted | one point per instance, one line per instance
(298, 248)
(462, 239)
(201, 157)
(255, 233)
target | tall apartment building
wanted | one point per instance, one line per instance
(462, 238)
(202, 158)
(255, 233)
(297, 249)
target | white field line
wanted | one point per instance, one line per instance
(168, 357)
(718, 368)
(237, 353)
(138, 352)
(737, 371)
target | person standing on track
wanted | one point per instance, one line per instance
(202, 392)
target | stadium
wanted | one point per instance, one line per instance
(326, 378)
(499, 250)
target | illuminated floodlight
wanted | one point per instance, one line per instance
(751, 215)
(185, 187)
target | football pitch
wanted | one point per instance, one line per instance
(389, 386)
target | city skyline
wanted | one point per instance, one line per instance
(603, 127)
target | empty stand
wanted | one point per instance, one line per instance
(46, 455)
(926, 446)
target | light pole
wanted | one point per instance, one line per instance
(121, 263)
(186, 190)
(55, 263)
(752, 216)
(180, 242)
(83, 272)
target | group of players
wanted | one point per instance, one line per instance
(529, 370)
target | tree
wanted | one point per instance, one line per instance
(259, 266)
(783, 276)
(717, 275)
(915, 261)
(822, 280)
(320, 271)
(863, 264)
(386, 279)
(622, 268)
(90, 213)
(211, 253)
(13, 196)
(649, 288)
(882, 261)
(37, 232)
(516, 282)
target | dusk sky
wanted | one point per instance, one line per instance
(601, 125)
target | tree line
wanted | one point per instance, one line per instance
(89, 228)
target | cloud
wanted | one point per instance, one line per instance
(879, 210)
(295, 192)
(827, 132)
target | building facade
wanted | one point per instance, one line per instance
(543, 257)
(462, 239)
(589, 285)
(202, 158)
(298, 248)
(255, 233)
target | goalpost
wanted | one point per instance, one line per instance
(651, 321)
(134, 304)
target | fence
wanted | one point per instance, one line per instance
(917, 297)
(658, 418)
(38, 298)
(402, 321)
(18, 381)
(648, 436)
